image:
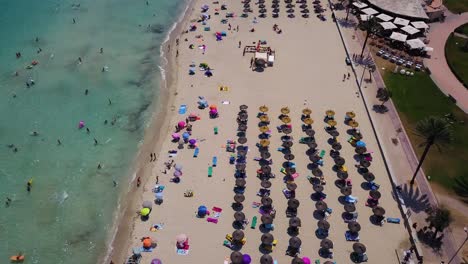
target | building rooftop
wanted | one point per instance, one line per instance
(405, 8)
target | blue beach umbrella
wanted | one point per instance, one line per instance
(360, 144)
(186, 135)
(202, 210)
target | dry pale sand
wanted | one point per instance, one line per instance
(308, 72)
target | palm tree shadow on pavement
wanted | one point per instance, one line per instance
(413, 198)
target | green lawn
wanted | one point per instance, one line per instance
(417, 97)
(456, 6)
(457, 57)
(463, 29)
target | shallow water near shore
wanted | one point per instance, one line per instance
(67, 216)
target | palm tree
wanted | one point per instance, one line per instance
(371, 28)
(383, 95)
(461, 187)
(435, 131)
(439, 218)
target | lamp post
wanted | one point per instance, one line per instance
(461, 246)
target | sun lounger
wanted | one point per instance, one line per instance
(182, 252)
(210, 171)
(256, 204)
(212, 220)
(254, 222)
(270, 227)
(393, 220)
(215, 130)
(215, 161)
(322, 153)
(142, 249)
(351, 199)
(195, 153)
(182, 109)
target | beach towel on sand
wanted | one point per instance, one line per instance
(182, 252)
(182, 109)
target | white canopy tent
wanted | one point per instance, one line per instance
(359, 5)
(365, 17)
(401, 21)
(428, 49)
(370, 11)
(415, 43)
(410, 30)
(398, 36)
(388, 25)
(384, 17)
(420, 24)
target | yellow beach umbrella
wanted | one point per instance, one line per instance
(330, 113)
(308, 121)
(145, 212)
(264, 142)
(285, 110)
(351, 114)
(353, 124)
(264, 118)
(263, 108)
(331, 123)
(307, 111)
(264, 129)
(286, 119)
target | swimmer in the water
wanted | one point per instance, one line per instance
(59, 142)
(29, 185)
(34, 133)
(86, 92)
(95, 142)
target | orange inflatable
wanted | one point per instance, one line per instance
(34, 62)
(17, 258)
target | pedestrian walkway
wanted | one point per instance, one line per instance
(400, 157)
(437, 64)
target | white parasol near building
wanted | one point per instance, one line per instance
(384, 17)
(420, 24)
(359, 5)
(401, 21)
(370, 11)
(415, 43)
(388, 25)
(398, 36)
(365, 17)
(410, 30)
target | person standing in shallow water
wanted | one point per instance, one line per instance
(29, 185)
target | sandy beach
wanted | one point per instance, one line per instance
(307, 73)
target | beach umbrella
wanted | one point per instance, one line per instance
(326, 243)
(266, 201)
(289, 157)
(353, 124)
(312, 144)
(289, 6)
(306, 260)
(264, 142)
(145, 211)
(349, 207)
(375, 194)
(294, 221)
(293, 203)
(317, 172)
(336, 146)
(321, 205)
(264, 118)
(238, 235)
(339, 161)
(156, 261)
(265, 155)
(242, 152)
(178, 167)
(369, 176)
(181, 124)
(360, 150)
(243, 107)
(343, 175)
(350, 114)
(240, 166)
(286, 119)
(330, 113)
(267, 238)
(310, 132)
(263, 10)
(239, 216)
(175, 136)
(264, 129)
(346, 190)
(239, 198)
(306, 111)
(267, 219)
(265, 184)
(236, 257)
(242, 140)
(147, 242)
(263, 108)
(285, 110)
(192, 141)
(240, 182)
(360, 144)
(378, 211)
(323, 224)
(266, 169)
(243, 116)
(287, 130)
(331, 123)
(181, 238)
(147, 204)
(213, 107)
(354, 226)
(359, 248)
(297, 260)
(287, 144)
(318, 188)
(334, 133)
(291, 186)
(295, 242)
(246, 259)
(290, 170)
(308, 121)
(185, 135)
(266, 259)
(290, 10)
(242, 127)
(365, 163)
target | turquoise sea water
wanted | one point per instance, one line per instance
(67, 216)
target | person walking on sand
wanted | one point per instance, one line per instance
(157, 179)
(151, 157)
(7, 202)
(240, 43)
(138, 181)
(101, 51)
